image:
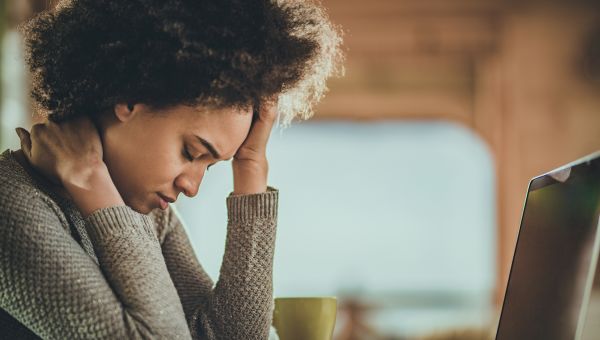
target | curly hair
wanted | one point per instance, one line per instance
(87, 55)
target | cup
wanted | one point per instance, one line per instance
(305, 318)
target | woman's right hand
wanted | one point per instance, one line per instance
(63, 152)
(70, 154)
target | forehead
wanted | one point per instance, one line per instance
(224, 128)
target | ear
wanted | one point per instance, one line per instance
(125, 112)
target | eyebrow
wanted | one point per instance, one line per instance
(215, 154)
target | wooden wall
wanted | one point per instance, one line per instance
(512, 72)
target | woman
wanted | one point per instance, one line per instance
(142, 97)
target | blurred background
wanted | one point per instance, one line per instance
(403, 195)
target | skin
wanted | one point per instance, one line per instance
(136, 154)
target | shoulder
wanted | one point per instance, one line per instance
(13, 178)
(20, 199)
(28, 223)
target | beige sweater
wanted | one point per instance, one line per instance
(119, 274)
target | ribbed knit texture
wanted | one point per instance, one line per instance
(118, 274)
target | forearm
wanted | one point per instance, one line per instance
(131, 259)
(243, 296)
(239, 306)
(55, 288)
(129, 255)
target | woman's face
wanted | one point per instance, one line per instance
(153, 154)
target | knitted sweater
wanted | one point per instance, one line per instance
(118, 274)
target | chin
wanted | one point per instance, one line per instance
(143, 211)
(140, 208)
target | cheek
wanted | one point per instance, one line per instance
(143, 160)
(139, 168)
(158, 166)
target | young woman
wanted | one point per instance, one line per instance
(141, 98)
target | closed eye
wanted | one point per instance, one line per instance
(187, 154)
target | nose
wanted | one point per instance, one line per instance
(188, 182)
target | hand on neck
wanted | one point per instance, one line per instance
(22, 160)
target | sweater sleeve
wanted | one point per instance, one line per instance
(239, 306)
(49, 284)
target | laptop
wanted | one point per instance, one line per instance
(556, 254)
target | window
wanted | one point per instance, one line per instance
(400, 214)
(14, 97)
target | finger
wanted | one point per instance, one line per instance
(25, 141)
(267, 110)
(261, 128)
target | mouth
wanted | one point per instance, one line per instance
(164, 200)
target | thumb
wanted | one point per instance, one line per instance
(25, 141)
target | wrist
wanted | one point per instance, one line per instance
(93, 189)
(249, 188)
(249, 177)
(82, 175)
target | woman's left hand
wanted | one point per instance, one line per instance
(250, 166)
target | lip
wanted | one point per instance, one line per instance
(166, 198)
(162, 201)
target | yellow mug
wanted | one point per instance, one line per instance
(305, 318)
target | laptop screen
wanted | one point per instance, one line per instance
(555, 256)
